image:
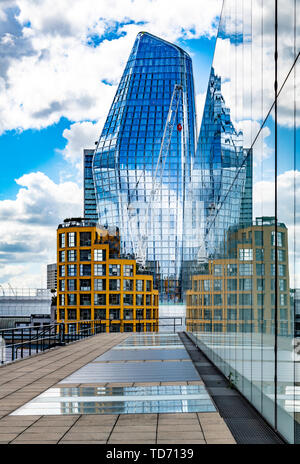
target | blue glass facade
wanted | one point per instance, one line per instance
(221, 160)
(126, 159)
(242, 282)
(89, 199)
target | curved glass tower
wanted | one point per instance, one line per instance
(140, 184)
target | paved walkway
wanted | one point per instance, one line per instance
(22, 381)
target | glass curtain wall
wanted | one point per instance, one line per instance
(246, 271)
(135, 191)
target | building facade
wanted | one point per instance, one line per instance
(96, 285)
(89, 198)
(140, 175)
(52, 276)
(236, 294)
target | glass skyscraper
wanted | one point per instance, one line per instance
(141, 185)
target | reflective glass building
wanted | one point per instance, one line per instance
(240, 301)
(141, 177)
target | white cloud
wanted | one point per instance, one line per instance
(80, 135)
(288, 185)
(59, 74)
(28, 226)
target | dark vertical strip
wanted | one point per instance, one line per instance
(276, 219)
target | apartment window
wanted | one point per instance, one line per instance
(62, 240)
(232, 284)
(128, 285)
(85, 238)
(114, 270)
(62, 285)
(245, 284)
(273, 269)
(62, 271)
(148, 285)
(259, 254)
(85, 314)
(139, 300)
(85, 285)
(139, 285)
(99, 269)
(280, 238)
(72, 314)
(139, 313)
(218, 300)
(246, 314)
(114, 284)
(148, 300)
(71, 299)
(128, 270)
(72, 255)
(246, 254)
(218, 316)
(99, 255)
(231, 299)
(114, 299)
(206, 285)
(99, 284)
(114, 313)
(62, 299)
(260, 269)
(260, 299)
(281, 269)
(246, 269)
(72, 284)
(62, 314)
(245, 299)
(260, 285)
(99, 299)
(85, 255)
(99, 313)
(85, 299)
(72, 239)
(217, 284)
(218, 269)
(231, 269)
(72, 271)
(206, 300)
(259, 238)
(283, 314)
(62, 256)
(207, 314)
(231, 314)
(282, 285)
(281, 255)
(282, 299)
(128, 314)
(127, 299)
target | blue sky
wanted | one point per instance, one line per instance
(61, 62)
(32, 149)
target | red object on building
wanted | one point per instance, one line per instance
(179, 127)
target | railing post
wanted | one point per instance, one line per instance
(29, 341)
(13, 345)
(22, 339)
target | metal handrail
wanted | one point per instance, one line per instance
(39, 339)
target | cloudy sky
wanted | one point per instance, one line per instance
(60, 63)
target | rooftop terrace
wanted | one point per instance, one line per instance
(119, 388)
